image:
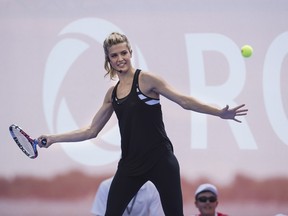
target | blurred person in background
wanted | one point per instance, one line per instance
(145, 203)
(206, 200)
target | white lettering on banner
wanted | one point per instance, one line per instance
(272, 86)
(196, 44)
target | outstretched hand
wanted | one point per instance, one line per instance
(227, 113)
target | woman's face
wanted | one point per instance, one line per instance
(120, 57)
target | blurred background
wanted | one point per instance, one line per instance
(52, 80)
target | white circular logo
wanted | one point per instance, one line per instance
(58, 116)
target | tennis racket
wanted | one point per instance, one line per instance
(24, 141)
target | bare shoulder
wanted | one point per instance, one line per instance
(157, 83)
(151, 79)
(110, 90)
(149, 83)
(108, 96)
(146, 76)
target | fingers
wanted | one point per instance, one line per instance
(240, 106)
(241, 114)
(237, 120)
(239, 111)
(236, 109)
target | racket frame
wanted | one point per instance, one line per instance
(33, 142)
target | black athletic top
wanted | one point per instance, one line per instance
(143, 135)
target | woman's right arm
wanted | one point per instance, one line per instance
(89, 132)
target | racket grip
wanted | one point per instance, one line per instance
(44, 141)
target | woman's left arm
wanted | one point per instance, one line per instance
(161, 87)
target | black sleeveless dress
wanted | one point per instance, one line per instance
(143, 136)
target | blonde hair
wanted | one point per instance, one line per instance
(113, 39)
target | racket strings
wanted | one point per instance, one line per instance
(24, 142)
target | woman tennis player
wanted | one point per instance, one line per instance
(147, 153)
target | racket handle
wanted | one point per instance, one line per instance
(44, 141)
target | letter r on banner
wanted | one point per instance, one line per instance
(196, 44)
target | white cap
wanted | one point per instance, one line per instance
(206, 187)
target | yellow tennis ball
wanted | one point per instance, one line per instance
(246, 51)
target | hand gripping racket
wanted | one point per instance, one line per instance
(24, 141)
